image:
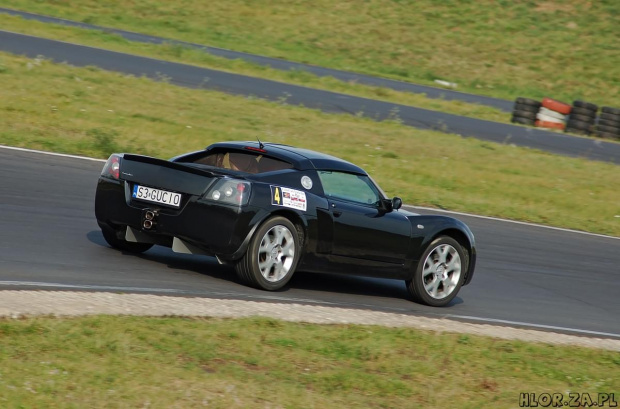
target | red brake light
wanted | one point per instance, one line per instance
(251, 148)
(112, 167)
(240, 190)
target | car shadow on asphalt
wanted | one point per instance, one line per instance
(339, 287)
(183, 263)
(358, 286)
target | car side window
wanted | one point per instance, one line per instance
(349, 187)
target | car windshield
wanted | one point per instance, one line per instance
(248, 162)
(350, 187)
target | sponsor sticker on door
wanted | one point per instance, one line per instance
(286, 197)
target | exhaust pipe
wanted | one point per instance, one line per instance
(149, 219)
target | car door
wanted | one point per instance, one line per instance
(362, 228)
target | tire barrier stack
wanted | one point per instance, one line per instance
(552, 114)
(580, 118)
(525, 111)
(608, 125)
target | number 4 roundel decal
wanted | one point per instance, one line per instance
(276, 195)
(287, 197)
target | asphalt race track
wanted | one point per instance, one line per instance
(279, 64)
(196, 77)
(539, 277)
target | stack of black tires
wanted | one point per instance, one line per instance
(608, 125)
(582, 118)
(525, 111)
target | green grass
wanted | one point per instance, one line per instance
(188, 55)
(126, 362)
(91, 112)
(564, 49)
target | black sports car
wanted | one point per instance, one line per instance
(271, 209)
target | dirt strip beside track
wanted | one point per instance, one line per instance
(17, 304)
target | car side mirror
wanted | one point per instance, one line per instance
(389, 205)
(386, 205)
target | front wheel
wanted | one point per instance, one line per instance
(114, 241)
(271, 257)
(439, 274)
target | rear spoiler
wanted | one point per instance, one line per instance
(163, 174)
(164, 163)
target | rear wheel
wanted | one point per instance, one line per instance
(271, 257)
(112, 238)
(440, 273)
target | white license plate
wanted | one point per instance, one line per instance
(150, 194)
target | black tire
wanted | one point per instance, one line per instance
(271, 240)
(528, 101)
(579, 125)
(605, 122)
(606, 135)
(586, 105)
(609, 117)
(582, 118)
(525, 107)
(113, 239)
(583, 111)
(608, 129)
(431, 266)
(578, 131)
(610, 110)
(525, 114)
(520, 120)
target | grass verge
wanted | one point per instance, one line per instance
(195, 57)
(566, 49)
(118, 362)
(91, 112)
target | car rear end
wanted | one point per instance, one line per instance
(144, 199)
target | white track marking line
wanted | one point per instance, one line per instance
(64, 155)
(511, 221)
(530, 325)
(404, 206)
(89, 287)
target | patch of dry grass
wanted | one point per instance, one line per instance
(121, 362)
(187, 55)
(564, 49)
(91, 112)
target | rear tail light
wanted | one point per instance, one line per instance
(112, 167)
(231, 191)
